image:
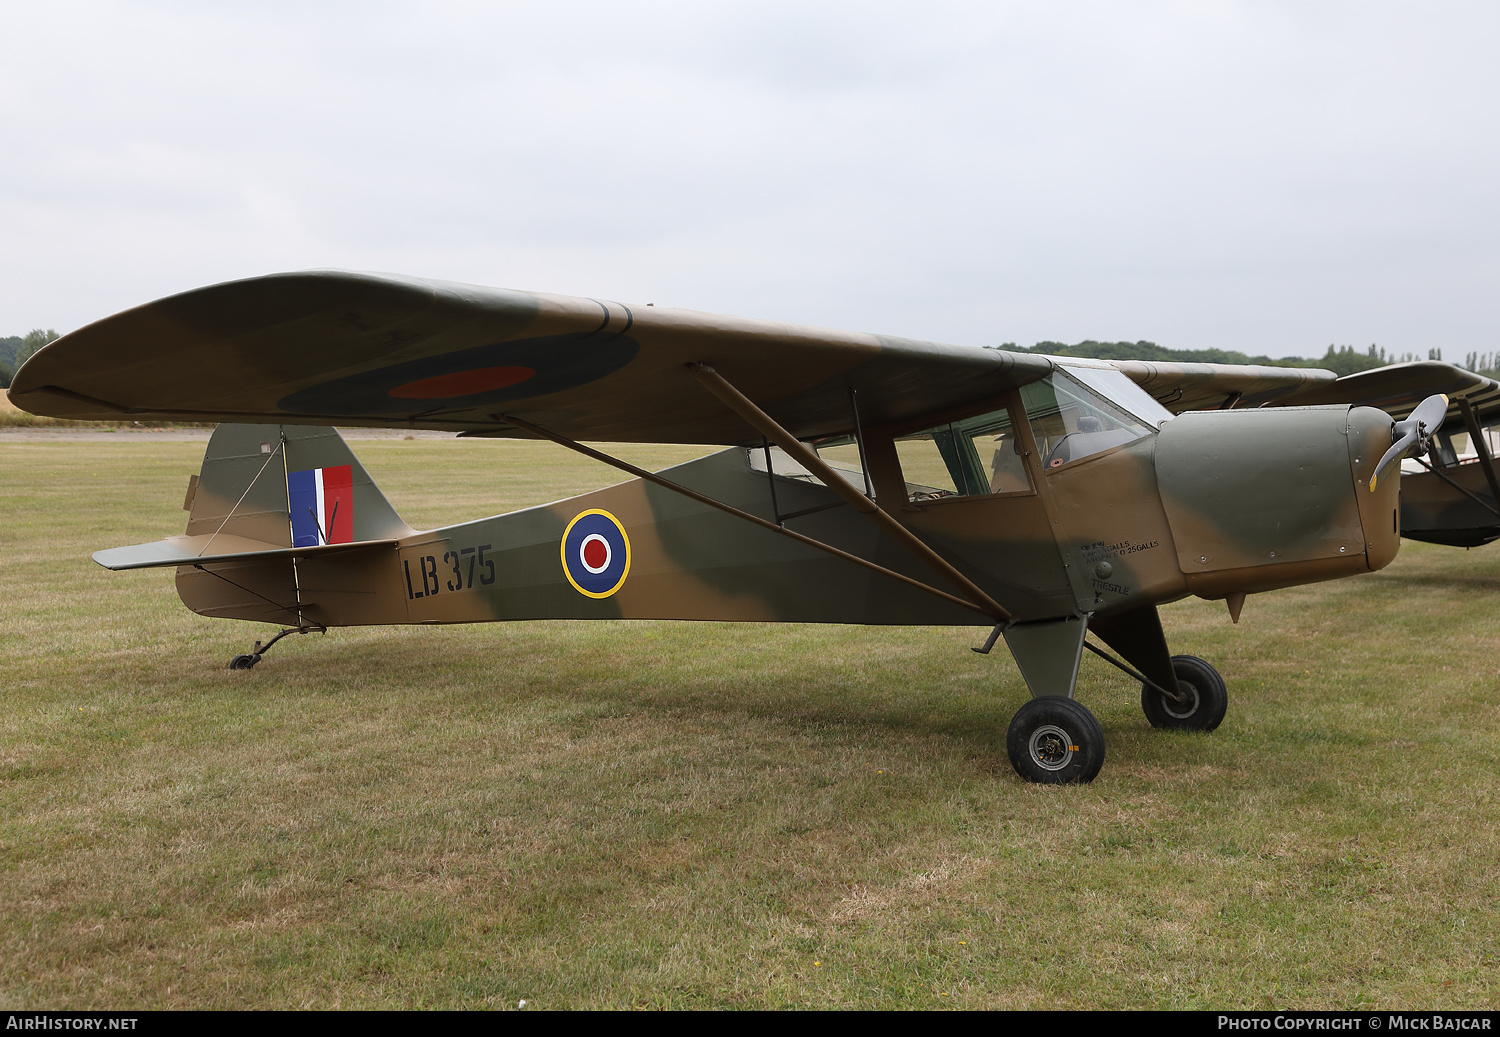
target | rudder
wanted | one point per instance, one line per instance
(242, 489)
(290, 487)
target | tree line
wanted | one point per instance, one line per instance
(15, 349)
(1341, 360)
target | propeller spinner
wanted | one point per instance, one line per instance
(1416, 430)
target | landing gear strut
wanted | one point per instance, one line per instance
(1055, 741)
(247, 662)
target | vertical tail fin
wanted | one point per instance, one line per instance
(287, 485)
(293, 487)
(285, 526)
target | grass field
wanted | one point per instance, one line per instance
(713, 815)
(12, 416)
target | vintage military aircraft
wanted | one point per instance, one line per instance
(1451, 497)
(866, 479)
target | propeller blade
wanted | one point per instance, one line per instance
(1429, 413)
(1398, 449)
(1415, 430)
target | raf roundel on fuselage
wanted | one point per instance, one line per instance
(596, 553)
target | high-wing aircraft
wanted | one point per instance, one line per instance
(1450, 497)
(864, 479)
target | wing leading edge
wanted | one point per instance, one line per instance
(1183, 387)
(1395, 388)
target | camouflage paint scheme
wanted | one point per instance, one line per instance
(1457, 503)
(1213, 504)
(368, 350)
(1151, 521)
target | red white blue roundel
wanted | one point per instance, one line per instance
(596, 553)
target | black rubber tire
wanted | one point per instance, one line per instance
(1203, 683)
(1055, 741)
(243, 662)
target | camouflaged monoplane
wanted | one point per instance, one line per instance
(1450, 497)
(865, 479)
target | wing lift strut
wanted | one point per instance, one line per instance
(1481, 450)
(1435, 470)
(974, 597)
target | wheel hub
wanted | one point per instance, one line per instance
(1185, 709)
(1051, 747)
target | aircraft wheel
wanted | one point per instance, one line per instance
(243, 662)
(1055, 741)
(1209, 698)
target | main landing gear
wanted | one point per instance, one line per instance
(247, 662)
(1202, 698)
(1054, 740)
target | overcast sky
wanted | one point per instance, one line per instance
(1270, 177)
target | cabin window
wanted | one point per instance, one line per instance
(971, 457)
(1454, 445)
(1490, 430)
(841, 453)
(1072, 421)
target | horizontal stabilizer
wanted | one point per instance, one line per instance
(195, 550)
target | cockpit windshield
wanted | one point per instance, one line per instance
(1073, 413)
(1118, 388)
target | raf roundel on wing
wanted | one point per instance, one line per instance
(596, 553)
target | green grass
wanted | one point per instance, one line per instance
(713, 815)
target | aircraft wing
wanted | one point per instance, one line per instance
(1398, 388)
(338, 348)
(1182, 387)
(1395, 388)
